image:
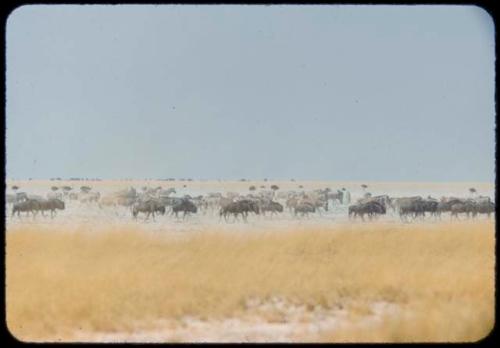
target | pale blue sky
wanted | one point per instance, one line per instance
(376, 93)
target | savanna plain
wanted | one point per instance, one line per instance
(94, 274)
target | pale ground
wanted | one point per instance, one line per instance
(296, 326)
(232, 329)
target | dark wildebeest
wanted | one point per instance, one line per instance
(371, 208)
(319, 203)
(485, 208)
(271, 206)
(397, 203)
(52, 204)
(304, 208)
(445, 205)
(468, 207)
(242, 207)
(430, 206)
(418, 208)
(185, 206)
(149, 207)
(28, 206)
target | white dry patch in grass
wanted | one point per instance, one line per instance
(291, 324)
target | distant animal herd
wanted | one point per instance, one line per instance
(231, 206)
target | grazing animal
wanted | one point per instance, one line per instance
(149, 207)
(318, 203)
(28, 206)
(242, 207)
(52, 205)
(486, 207)
(397, 203)
(304, 208)
(185, 206)
(445, 205)
(467, 207)
(372, 209)
(272, 207)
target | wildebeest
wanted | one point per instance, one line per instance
(242, 207)
(385, 200)
(304, 208)
(418, 207)
(186, 206)
(469, 207)
(149, 207)
(318, 203)
(485, 207)
(52, 205)
(397, 203)
(28, 206)
(371, 208)
(271, 206)
(445, 205)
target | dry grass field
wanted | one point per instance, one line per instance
(64, 284)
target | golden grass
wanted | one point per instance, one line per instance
(59, 281)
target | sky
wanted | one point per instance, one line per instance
(324, 92)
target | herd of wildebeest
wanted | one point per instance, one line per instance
(151, 202)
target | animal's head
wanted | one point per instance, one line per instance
(161, 209)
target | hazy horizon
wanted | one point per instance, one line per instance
(309, 92)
